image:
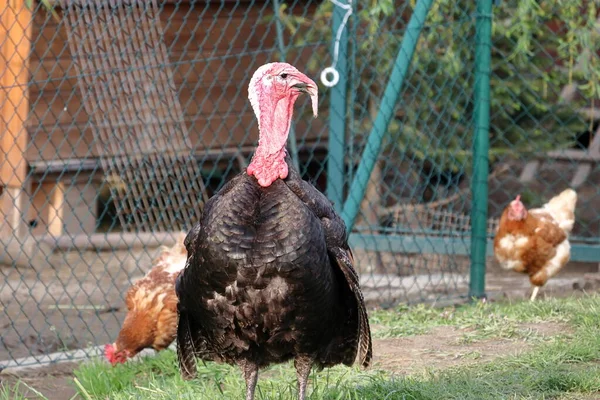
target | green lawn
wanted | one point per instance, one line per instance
(563, 366)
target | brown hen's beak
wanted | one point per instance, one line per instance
(306, 85)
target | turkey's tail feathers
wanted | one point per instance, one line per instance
(365, 346)
(186, 353)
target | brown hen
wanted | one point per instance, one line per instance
(151, 321)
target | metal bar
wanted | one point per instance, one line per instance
(386, 111)
(292, 145)
(407, 244)
(354, 84)
(337, 114)
(481, 145)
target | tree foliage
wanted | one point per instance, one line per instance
(539, 47)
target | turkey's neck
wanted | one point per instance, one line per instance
(268, 162)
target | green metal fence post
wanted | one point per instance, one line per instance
(337, 113)
(292, 145)
(386, 111)
(481, 146)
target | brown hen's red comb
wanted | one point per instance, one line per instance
(518, 198)
(109, 352)
(113, 356)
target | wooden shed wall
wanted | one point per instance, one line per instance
(213, 51)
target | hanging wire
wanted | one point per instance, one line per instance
(331, 70)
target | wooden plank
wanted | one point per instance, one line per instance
(580, 252)
(529, 171)
(196, 70)
(182, 2)
(221, 98)
(55, 214)
(571, 155)
(581, 175)
(586, 158)
(49, 142)
(48, 200)
(584, 170)
(15, 25)
(210, 81)
(231, 49)
(188, 30)
(69, 165)
(11, 204)
(61, 142)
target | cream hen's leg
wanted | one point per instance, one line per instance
(536, 289)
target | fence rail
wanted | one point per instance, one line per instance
(119, 120)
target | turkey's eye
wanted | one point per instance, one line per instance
(283, 76)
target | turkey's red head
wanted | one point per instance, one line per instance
(516, 210)
(273, 90)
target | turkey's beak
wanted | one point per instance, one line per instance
(308, 86)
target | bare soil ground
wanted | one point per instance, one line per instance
(76, 303)
(79, 303)
(443, 347)
(54, 382)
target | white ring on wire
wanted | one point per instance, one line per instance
(335, 77)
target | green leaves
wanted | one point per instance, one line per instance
(539, 46)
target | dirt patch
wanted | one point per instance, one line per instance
(54, 382)
(79, 301)
(444, 347)
(75, 304)
(581, 396)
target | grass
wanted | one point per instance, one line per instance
(21, 391)
(479, 321)
(565, 367)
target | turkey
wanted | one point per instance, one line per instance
(269, 275)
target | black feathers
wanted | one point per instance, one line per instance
(270, 278)
(185, 348)
(344, 261)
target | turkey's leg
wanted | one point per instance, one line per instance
(303, 365)
(250, 371)
(536, 289)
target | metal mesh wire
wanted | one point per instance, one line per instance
(141, 137)
(120, 118)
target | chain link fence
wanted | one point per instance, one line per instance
(120, 118)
